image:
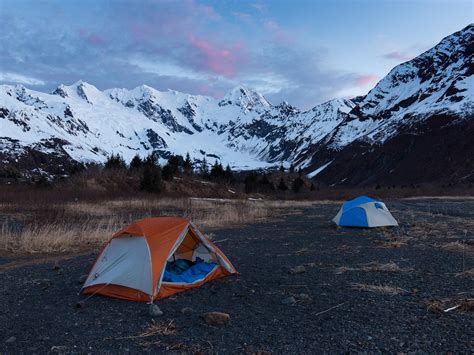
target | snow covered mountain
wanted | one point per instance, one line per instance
(415, 125)
(429, 96)
(86, 124)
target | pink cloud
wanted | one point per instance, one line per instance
(92, 38)
(365, 79)
(397, 55)
(220, 61)
(172, 19)
(95, 39)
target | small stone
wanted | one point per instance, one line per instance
(58, 348)
(11, 340)
(216, 318)
(288, 300)
(56, 267)
(155, 311)
(82, 278)
(80, 304)
(303, 297)
(44, 283)
(187, 311)
(297, 270)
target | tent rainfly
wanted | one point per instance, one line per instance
(364, 211)
(154, 258)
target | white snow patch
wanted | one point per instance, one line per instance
(318, 170)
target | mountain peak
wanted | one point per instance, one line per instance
(246, 98)
(339, 104)
(79, 89)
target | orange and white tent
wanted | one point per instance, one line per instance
(135, 263)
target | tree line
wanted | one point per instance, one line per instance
(152, 174)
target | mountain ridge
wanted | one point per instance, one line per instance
(82, 123)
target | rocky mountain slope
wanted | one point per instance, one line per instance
(422, 109)
(415, 125)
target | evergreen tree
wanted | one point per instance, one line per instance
(188, 165)
(75, 168)
(292, 168)
(217, 171)
(115, 161)
(282, 186)
(172, 167)
(297, 184)
(265, 185)
(136, 163)
(250, 182)
(282, 168)
(204, 169)
(312, 187)
(229, 175)
(151, 175)
(167, 172)
(150, 160)
(175, 162)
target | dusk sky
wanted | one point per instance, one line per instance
(304, 52)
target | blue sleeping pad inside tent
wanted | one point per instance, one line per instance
(195, 272)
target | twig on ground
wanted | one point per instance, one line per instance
(451, 308)
(155, 328)
(329, 309)
(220, 241)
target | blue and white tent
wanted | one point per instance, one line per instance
(364, 211)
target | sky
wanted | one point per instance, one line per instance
(302, 51)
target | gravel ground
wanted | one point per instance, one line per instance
(319, 309)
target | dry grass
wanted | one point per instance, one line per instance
(434, 306)
(342, 269)
(447, 305)
(57, 237)
(163, 328)
(79, 226)
(458, 247)
(387, 267)
(374, 267)
(391, 244)
(392, 239)
(466, 273)
(381, 289)
(159, 328)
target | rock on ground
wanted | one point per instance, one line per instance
(155, 311)
(216, 318)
